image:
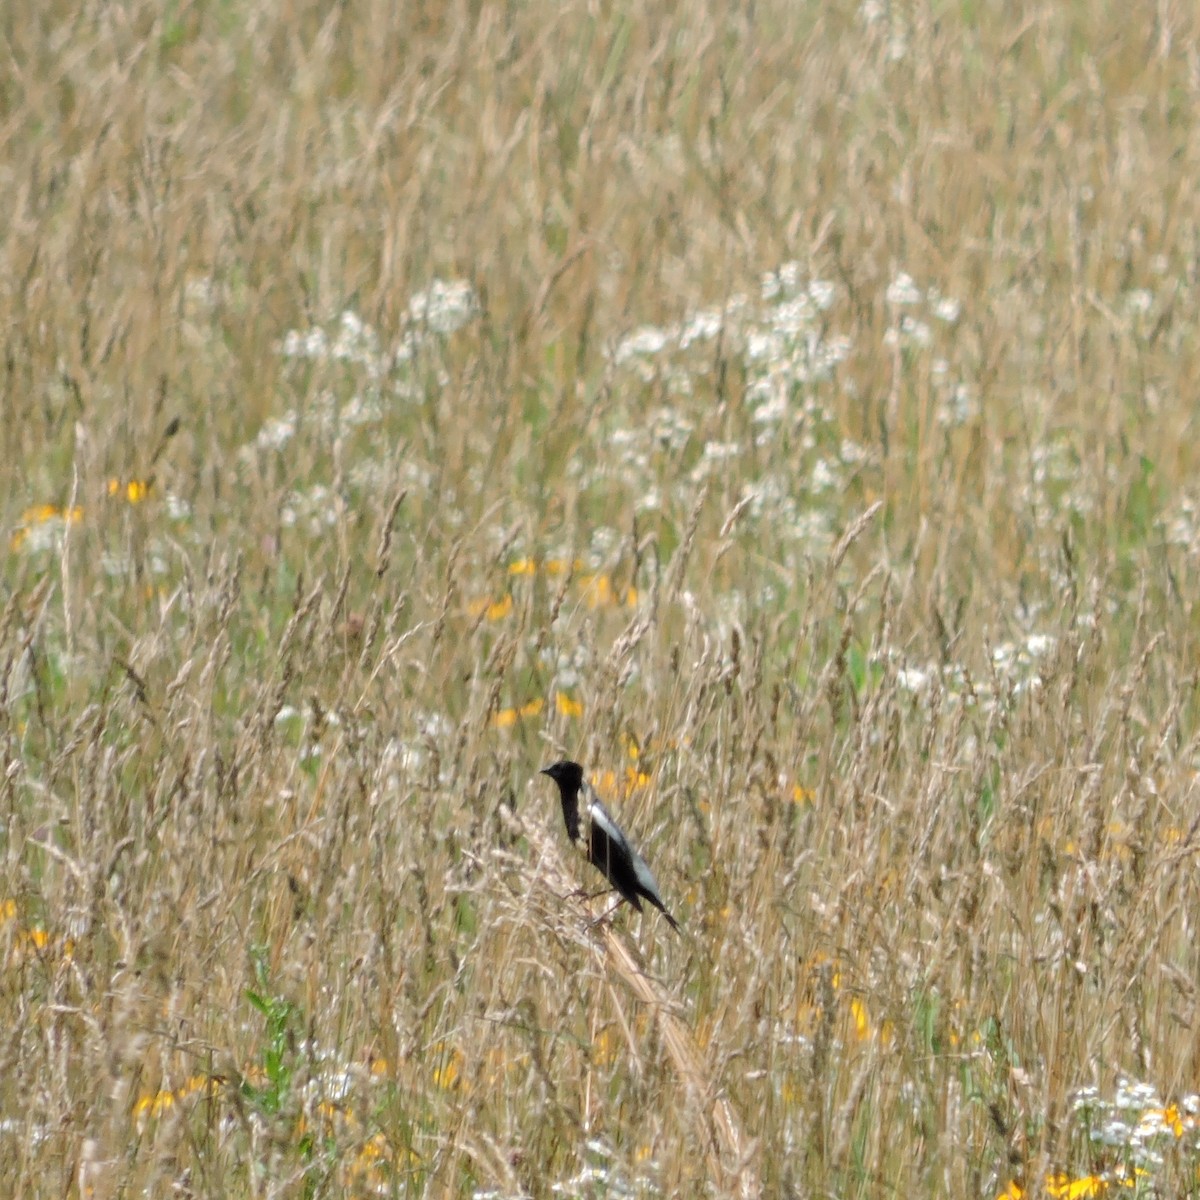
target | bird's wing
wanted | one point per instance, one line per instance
(637, 864)
(604, 819)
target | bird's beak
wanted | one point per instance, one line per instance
(544, 771)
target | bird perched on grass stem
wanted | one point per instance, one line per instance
(608, 849)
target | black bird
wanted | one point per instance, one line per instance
(607, 847)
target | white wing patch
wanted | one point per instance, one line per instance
(602, 817)
(598, 813)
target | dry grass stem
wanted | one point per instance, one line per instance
(786, 410)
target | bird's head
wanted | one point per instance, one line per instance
(568, 775)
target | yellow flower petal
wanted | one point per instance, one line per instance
(862, 1024)
(597, 590)
(508, 717)
(635, 779)
(560, 566)
(501, 609)
(494, 610)
(446, 1073)
(40, 514)
(1074, 1189)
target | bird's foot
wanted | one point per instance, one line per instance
(584, 894)
(577, 894)
(605, 917)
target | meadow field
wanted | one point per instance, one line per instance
(788, 410)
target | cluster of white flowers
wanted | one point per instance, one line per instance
(354, 342)
(780, 341)
(603, 1174)
(1017, 664)
(909, 329)
(1137, 1121)
(443, 308)
(383, 377)
(315, 510)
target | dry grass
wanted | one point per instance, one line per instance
(868, 590)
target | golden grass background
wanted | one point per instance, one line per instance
(895, 684)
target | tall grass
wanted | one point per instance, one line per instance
(787, 411)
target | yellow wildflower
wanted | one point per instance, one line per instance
(135, 491)
(494, 610)
(862, 1023)
(507, 717)
(450, 1061)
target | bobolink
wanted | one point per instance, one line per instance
(595, 832)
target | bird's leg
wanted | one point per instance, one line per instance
(607, 915)
(581, 893)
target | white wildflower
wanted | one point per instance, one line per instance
(645, 342)
(902, 290)
(444, 306)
